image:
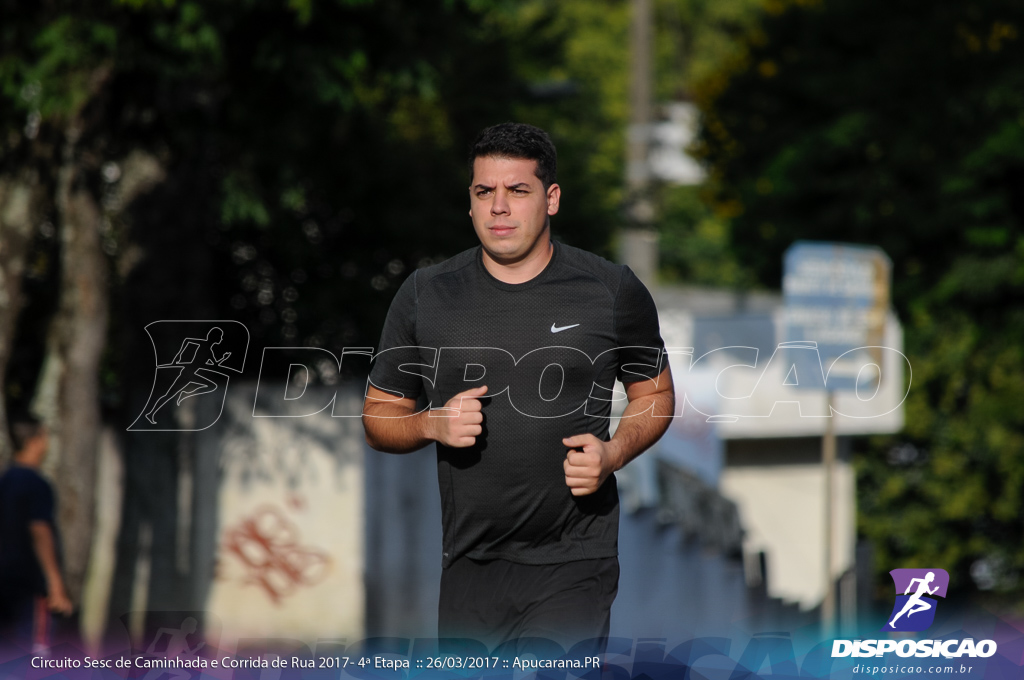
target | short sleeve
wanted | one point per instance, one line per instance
(637, 330)
(399, 332)
(40, 502)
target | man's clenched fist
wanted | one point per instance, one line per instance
(460, 421)
(588, 463)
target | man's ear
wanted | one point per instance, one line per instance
(554, 195)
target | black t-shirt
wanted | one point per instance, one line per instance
(549, 351)
(25, 497)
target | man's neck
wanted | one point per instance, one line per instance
(524, 269)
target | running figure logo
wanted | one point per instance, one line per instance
(177, 647)
(204, 352)
(915, 611)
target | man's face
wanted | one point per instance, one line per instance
(510, 207)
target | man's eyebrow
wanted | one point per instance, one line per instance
(517, 185)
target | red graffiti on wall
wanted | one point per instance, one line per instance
(267, 544)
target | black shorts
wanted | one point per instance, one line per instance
(495, 601)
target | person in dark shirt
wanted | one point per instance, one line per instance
(31, 586)
(516, 345)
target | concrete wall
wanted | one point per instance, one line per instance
(289, 532)
(779, 486)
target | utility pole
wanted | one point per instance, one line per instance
(639, 242)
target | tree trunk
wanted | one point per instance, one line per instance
(17, 199)
(68, 394)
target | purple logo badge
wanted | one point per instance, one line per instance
(916, 590)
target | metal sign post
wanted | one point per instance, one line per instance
(828, 460)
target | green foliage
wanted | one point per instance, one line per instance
(696, 245)
(696, 40)
(313, 151)
(902, 125)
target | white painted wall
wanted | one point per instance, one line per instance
(290, 546)
(783, 512)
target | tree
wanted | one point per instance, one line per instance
(901, 125)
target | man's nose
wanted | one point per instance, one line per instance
(500, 206)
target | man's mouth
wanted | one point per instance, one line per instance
(501, 229)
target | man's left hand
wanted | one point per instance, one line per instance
(588, 463)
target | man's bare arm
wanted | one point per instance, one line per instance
(394, 426)
(590, 460)
(647, 416)
(46, 552)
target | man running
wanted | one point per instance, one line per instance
(519, 341)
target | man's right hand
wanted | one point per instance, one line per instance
(460, 421)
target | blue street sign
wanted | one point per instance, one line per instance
(835, 298)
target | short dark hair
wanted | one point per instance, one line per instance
(24, 428)
(521, 141)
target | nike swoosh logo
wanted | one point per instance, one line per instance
(556, 329)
